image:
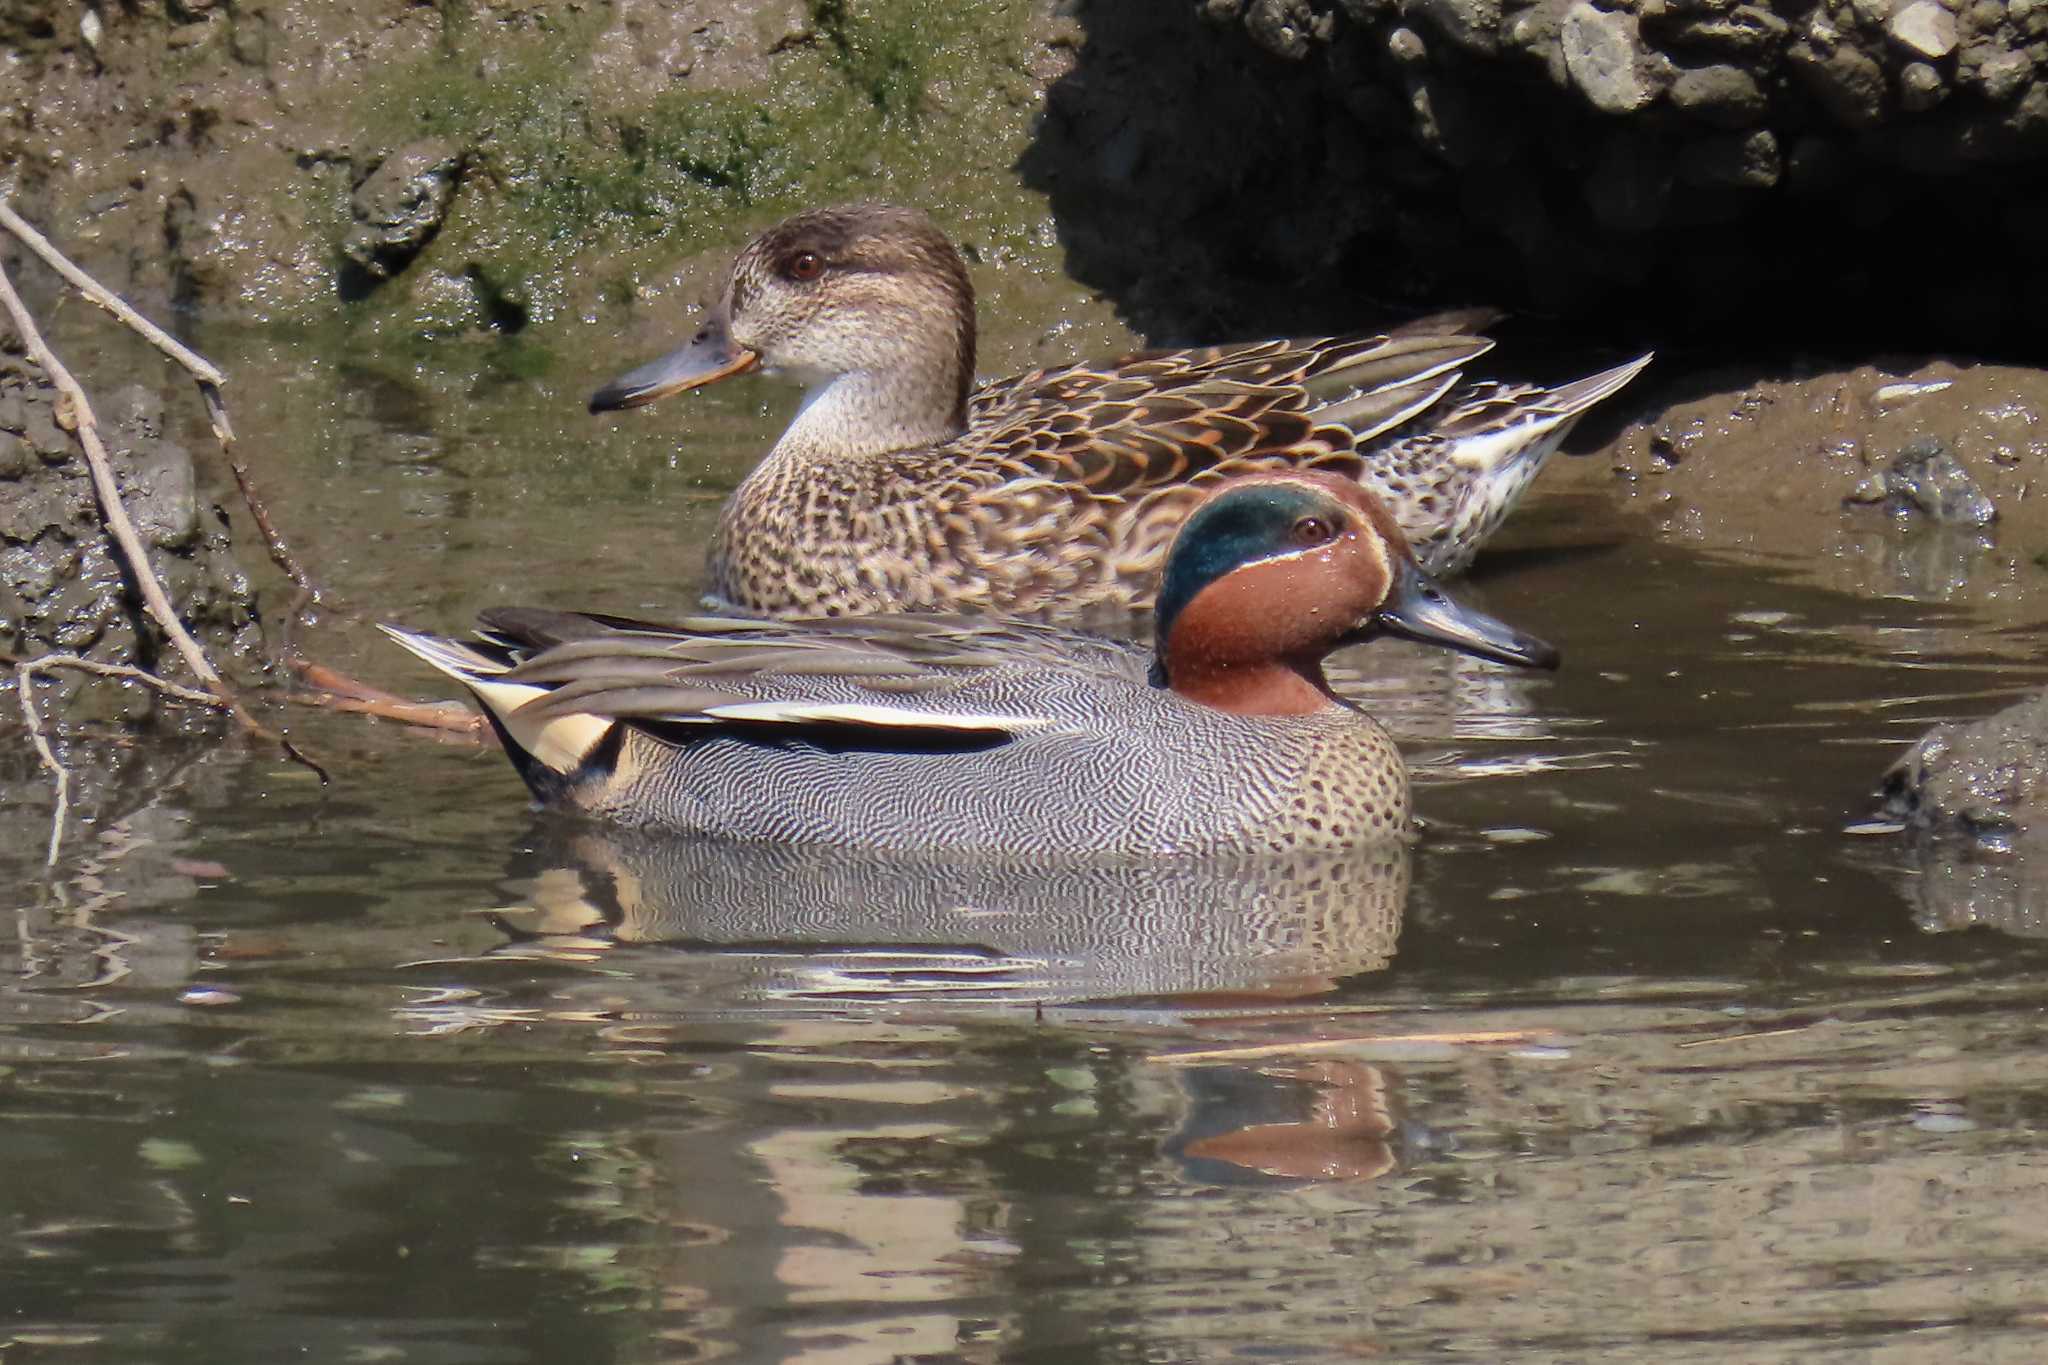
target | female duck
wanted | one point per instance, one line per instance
(1054, 493)
(934, 733)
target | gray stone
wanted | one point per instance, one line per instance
(1471, 24)
(401, 205)
(1405, 46)
(50, 441)
(1535, 31)
(1604, 54)
(1848, 83)
(13, 412)
(162, 497)
(16, 459)
(1873, 13)
(1924, 27)
(1747, 31)
(1925, 477)
(1734, 160)
(1985, 776)
(1726, 96)
(1921, 87)
(2003, 75)
(1283, 27)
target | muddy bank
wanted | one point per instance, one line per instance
(1656, 170)
(421, 169)
(1837, 473)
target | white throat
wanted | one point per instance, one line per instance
(862, 412)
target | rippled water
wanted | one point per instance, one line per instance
(1637, 1056)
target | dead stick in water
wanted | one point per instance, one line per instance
(25, 671)
(25, 679)
(203, 371)
(83, 425)
(74, 413)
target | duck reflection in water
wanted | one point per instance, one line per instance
(723, 928)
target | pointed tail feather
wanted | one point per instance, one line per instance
(1574, 398)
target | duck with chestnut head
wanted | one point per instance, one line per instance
(900, 486)
(918, 733)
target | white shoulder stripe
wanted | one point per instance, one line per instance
(865, 713)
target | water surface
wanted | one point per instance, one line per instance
(1637, 1055)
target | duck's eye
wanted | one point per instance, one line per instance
(805, 266)
(1313, 531)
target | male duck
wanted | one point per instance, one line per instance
(929, 732)
(901, 487)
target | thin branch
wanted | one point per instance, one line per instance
(73, 405)
(43, 663)
(25, 680)
(452, 717)
(25, 671)
(201, 368)
(204, 371)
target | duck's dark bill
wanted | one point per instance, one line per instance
(1417, 609)
(709, 357)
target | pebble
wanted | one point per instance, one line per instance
(207, 996)
(1920, 87)
(1926, 476)
(1924, 27)
(1601, 52)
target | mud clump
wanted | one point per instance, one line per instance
(1927, 479)
(63, 586)
(1985, 778)
(400, 206)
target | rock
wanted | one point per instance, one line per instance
(50, 441)
(1726, 96)
(1604, 53)
(400, 206)
(1405, 46)
(1473, 25)
(1924, 27)
(1925, 476)
(1985, 776)
(1737, 160)
(1848, 83)
(1745, 32)
(1920, 87)
(2003, 75)
(1284, 28)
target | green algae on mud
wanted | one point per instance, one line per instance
(573, 191)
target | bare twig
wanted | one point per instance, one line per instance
(452, 717)
(204, 371)
(25, 679)
(74, 412)
(46, 663)
(25, 671)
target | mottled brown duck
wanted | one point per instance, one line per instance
(901, 486)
